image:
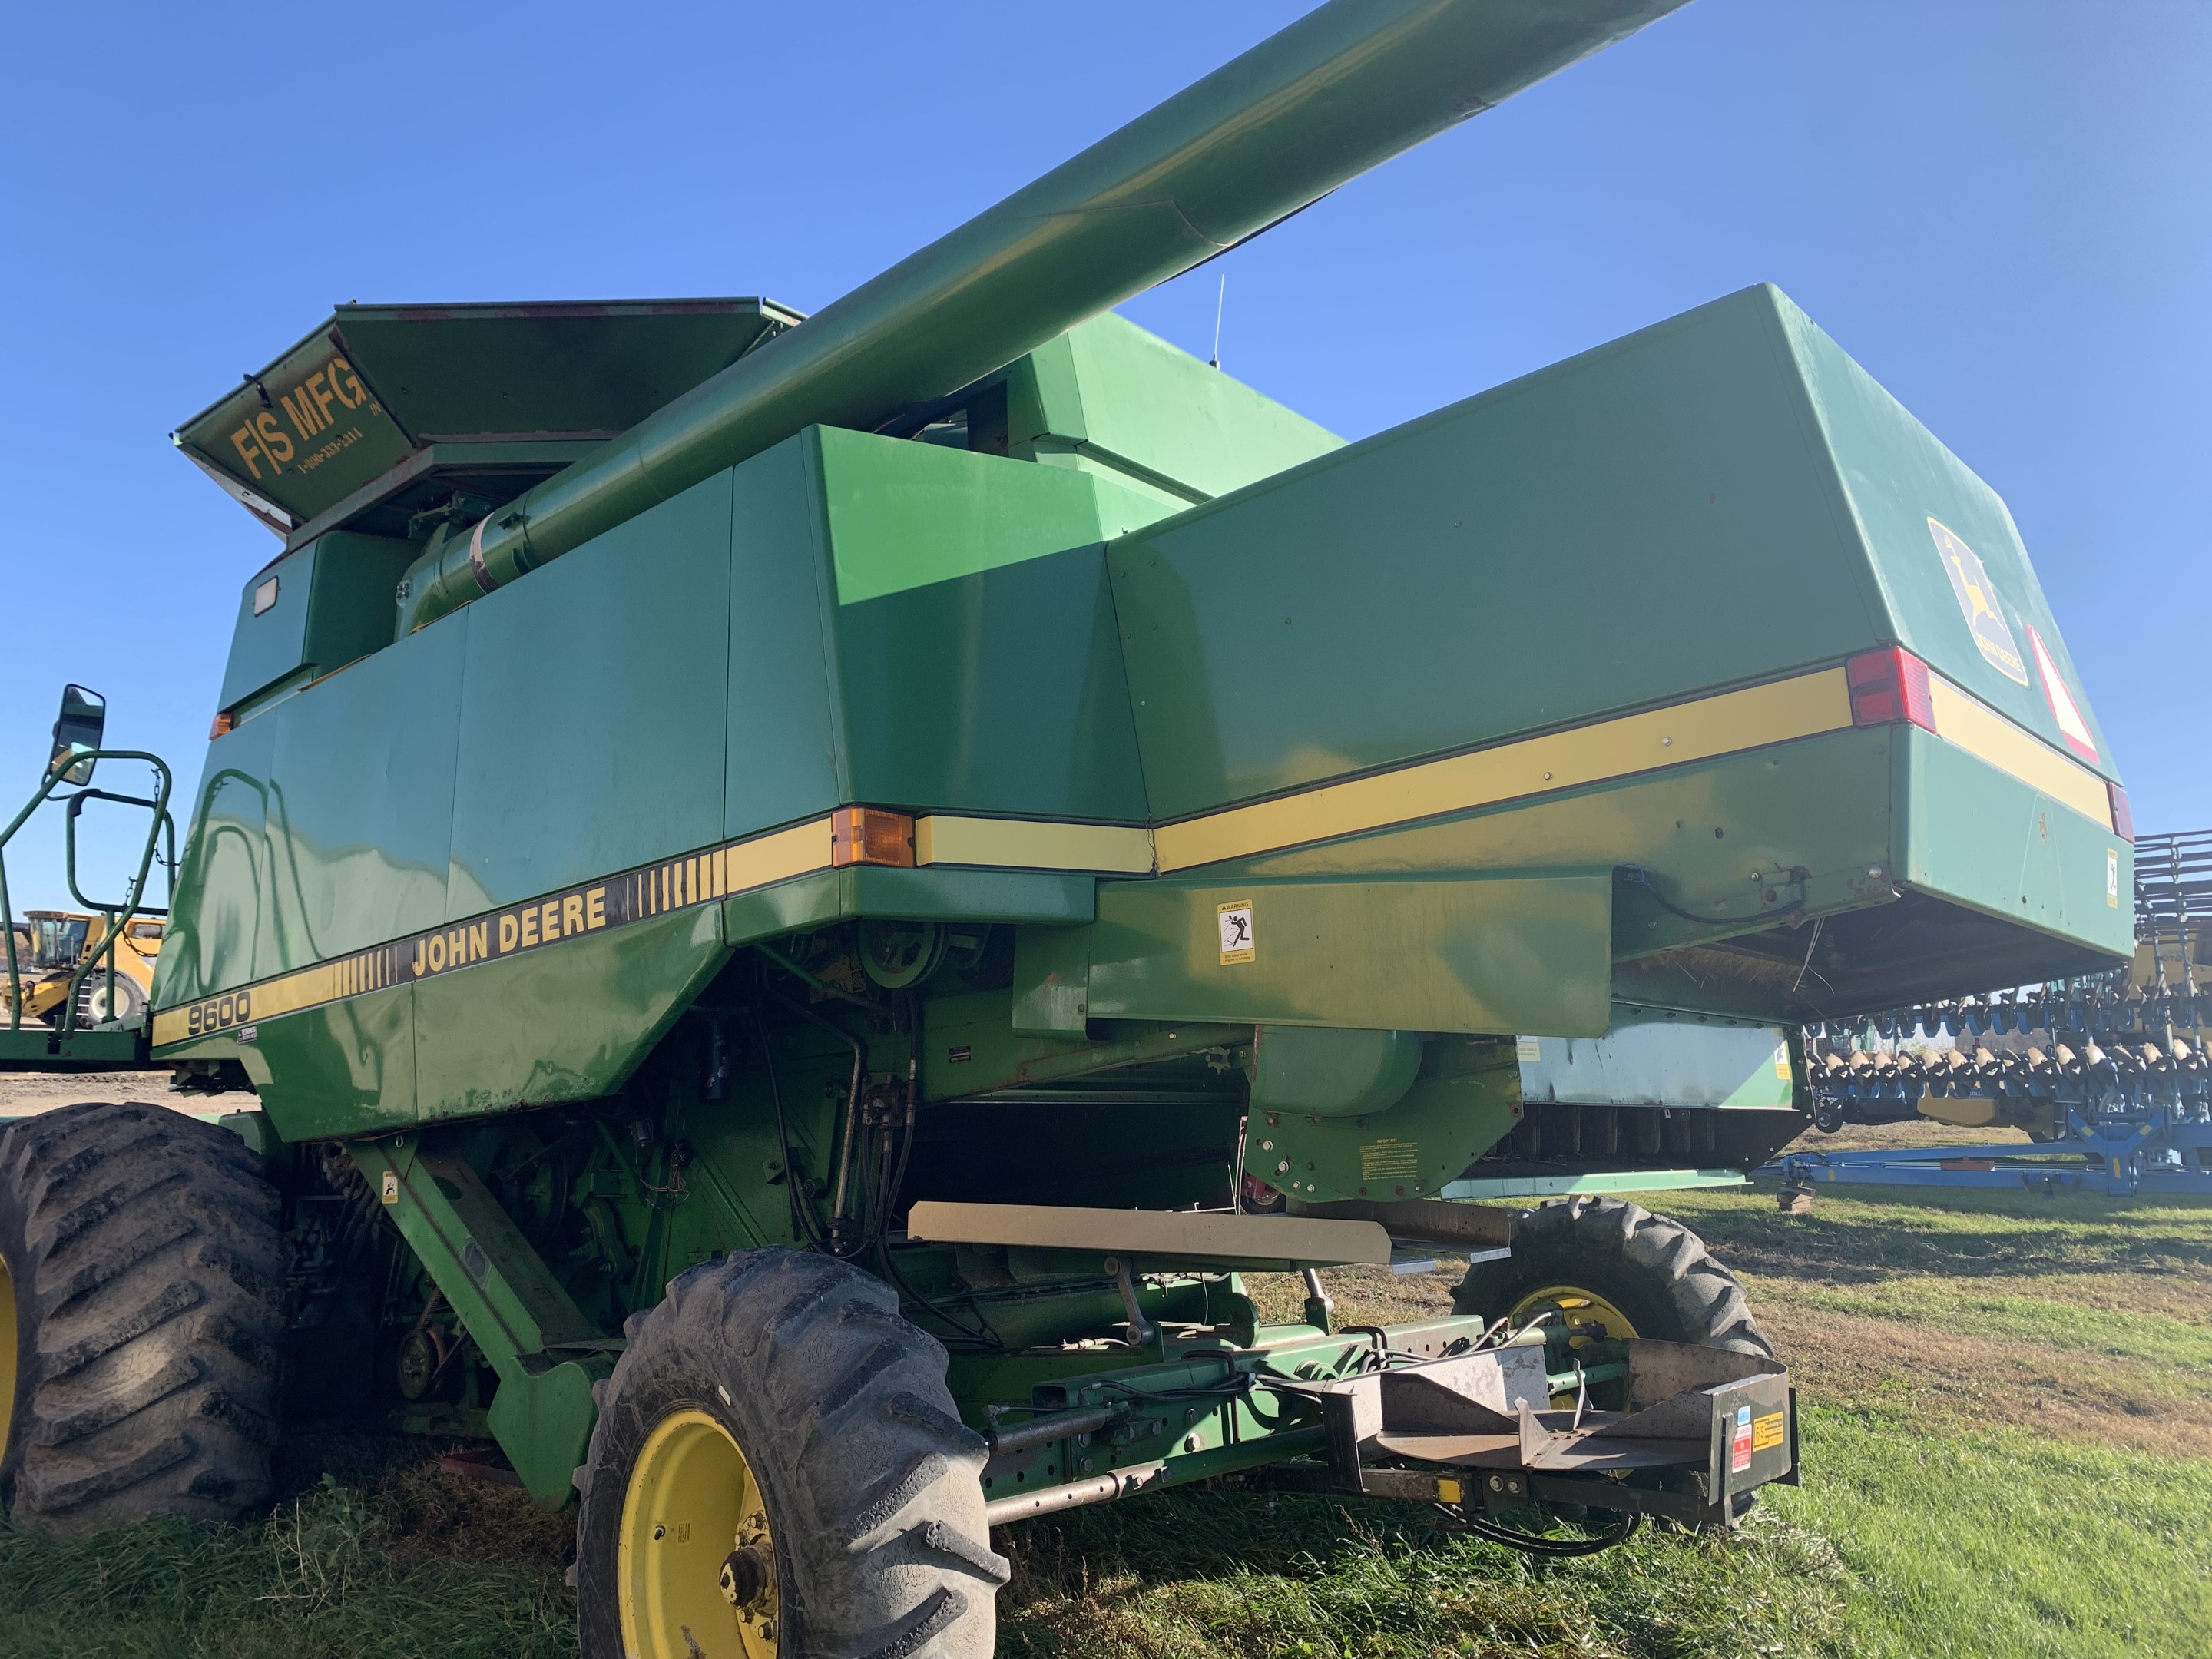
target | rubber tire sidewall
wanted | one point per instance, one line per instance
(1553, 1246)
(648, 1400)
(14, 1253)
(676, 1353)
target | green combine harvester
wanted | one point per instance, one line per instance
(794, 901)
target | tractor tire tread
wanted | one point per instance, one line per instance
(148, 1269)
(872, 1483)
(1625, 1252)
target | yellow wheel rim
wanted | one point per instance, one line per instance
(1585, 1312)
(695, 1564)
(1580, 1307)
(6, 1355)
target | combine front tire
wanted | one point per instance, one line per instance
(141, 1315)
(778, 1468)
(1605, 1261)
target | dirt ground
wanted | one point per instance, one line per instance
(22, 1093)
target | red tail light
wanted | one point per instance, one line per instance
(2123, 817)
(1887, 686)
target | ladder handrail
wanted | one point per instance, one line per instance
(161, 827)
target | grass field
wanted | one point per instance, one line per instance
(2008, 1440)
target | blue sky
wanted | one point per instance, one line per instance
(1999, 209)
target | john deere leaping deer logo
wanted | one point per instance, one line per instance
(1978, 602)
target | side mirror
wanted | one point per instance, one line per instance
(77, 731)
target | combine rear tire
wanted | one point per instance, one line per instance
(778, 1469)
(141, 1315)
(1638, 1274)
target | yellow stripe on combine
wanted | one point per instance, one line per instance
(799, 851)
(1026, 844)
(1804, 706)
(1989, 736)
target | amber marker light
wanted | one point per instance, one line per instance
(1888, 686)
(869, 835)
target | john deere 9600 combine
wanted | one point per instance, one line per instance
(800, 898)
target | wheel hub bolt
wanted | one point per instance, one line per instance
(745, 1576)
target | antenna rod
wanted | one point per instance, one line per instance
(1220, 299)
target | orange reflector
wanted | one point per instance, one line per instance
(869, 835)
(223, 724)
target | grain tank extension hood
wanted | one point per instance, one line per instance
(386, 412)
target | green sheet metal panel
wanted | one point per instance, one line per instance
(458, 371)
(361, 802)
(567, 1024)
(1665, 822)
(270, 640)
(901, 514)
(997, 692)
(347, 1068)
(1896, 477)
(783, 762)
(1975, 834)
(1481, 953)
(1623, 528)
(593, 707)
(932, 895)
(350, 612)
(320, 608)
(1111, 392)
(1466, 1099)
(222, 888)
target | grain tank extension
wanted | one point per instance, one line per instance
(951, 828)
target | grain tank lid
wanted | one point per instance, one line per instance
(367, 392)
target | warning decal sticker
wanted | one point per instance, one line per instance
(1767, 1431)
(1977, 602)
(2063, 708)
(1237, 930)
(1390, 1160)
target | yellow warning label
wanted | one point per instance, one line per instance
(1767, 1431)
(1236, 943)
(1781, 1062)
(1390, 1160)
